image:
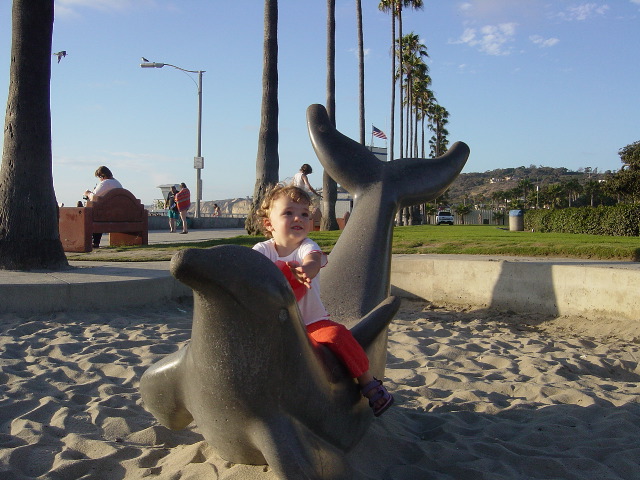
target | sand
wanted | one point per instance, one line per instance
(479, 395)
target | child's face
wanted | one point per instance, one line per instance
(289, 222)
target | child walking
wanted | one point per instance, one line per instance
(286, 221)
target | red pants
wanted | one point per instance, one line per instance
(338, 339)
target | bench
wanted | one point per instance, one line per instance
(118, 213)
(316, 218)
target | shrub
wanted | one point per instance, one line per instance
(619, 220)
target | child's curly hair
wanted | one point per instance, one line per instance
(294, 193)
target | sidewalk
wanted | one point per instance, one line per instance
(100, 285)
(163, 236)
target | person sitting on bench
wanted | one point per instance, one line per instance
(107, 182)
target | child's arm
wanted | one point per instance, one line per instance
(310, 267)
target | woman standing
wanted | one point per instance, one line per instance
(183, 202)
(173, 209)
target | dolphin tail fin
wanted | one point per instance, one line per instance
(408, 181)
(376, 321)
(160, 391)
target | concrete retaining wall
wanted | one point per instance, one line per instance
(604, 290)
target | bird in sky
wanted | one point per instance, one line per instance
(145, 60)
(60, 54)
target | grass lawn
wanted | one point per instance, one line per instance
(444, 239)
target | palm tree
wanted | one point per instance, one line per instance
(525, 185)
(389, 6)
(413, 67)
(399, 4)
(496, 198)
(29, 235)
(329, 186)
(423, 99)
(461, 211)
(429, 211)
(572, 188)
(360, 68)
(592, 189)
(554, 193)
(395, 6)
(267, 161)
(439, 117)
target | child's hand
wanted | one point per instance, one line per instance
(300, 273)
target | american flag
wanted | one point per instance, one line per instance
(378, 133)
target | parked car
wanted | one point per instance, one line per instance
(444, 216)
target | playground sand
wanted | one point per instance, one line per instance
(479, 395)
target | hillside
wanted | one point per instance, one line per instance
(479, 187)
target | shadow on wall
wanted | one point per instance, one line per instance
(525, 286)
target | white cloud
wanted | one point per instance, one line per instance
(490, 39)
(584, 11)
(543, 42)
(366, 51)
(71, 8)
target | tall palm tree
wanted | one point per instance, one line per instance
(414, 68)
(267, 161)
(29, 235)
(389, 6)
(396, 7)
(360, 68)
(329, 186)
(423, 97)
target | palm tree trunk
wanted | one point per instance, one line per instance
(29, 235)
(393, 82)
(360, 69)
(329, 186)
(415, 132)
(399, 7)
(267, 161)
(424, 114)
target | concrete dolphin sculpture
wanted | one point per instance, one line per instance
(258, 389)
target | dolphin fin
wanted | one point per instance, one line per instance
(408, 181)
(375, 322)
(160, 391)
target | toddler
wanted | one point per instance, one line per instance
(286, 221)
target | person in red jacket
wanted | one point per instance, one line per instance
(183, 201)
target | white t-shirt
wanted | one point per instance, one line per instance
(298, 182)
(310, 305)
(105, 185)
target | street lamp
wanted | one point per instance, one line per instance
(198, 161)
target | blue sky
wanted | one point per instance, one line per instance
(542, 82)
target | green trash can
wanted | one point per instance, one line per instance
(516, 220)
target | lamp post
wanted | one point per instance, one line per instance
(198, 161)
